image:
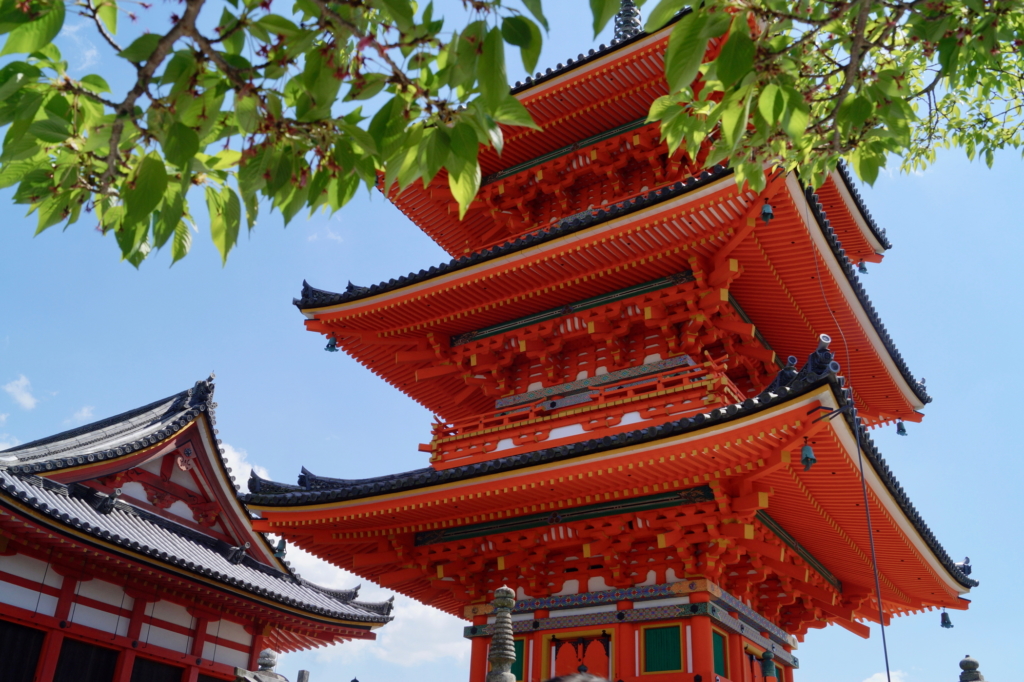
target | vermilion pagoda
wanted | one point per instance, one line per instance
(617, 438)
(125, 556)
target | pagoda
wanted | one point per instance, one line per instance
(643, 424)
(126, 556)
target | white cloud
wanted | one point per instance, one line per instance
(21, 390)
(328, 233)
(88, 53)
(238, 460)
(897, 676)
(419, 634)
(81, 416)
(3, 419)
(8, 441)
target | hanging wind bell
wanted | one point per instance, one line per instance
(332, 345)
(862, 268)
(807, 457)
(901, 430)
(945, 621)
(767, 213)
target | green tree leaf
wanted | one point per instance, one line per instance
(663, 13)
(516, 30)
(95, 83)
(180, 147)
(512, 112)
(464, 143)
(107, 13)
(434, 150)
(527, 36)
(737, 56)
(464, 186)
(246, 113)
(166, 221)
(141, 48)
(144, 191)
(491, 71)
(182, 242)
(603, 11)
(225, 219)
(538, 12)
(34, 35)
(685, 50)
(50, 130)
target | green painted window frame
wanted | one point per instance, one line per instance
(667, 642)
(720, 645)
(519, 666)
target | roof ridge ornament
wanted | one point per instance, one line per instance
(627, 21)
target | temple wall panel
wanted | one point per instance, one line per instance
(105, 592)
(25, 598)
(175, 641)
(220, 653)
(30, 568)
(99, 619)
(170, 612)
(229, 630)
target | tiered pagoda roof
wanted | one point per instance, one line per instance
(585, 233)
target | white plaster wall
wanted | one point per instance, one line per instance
(24, 598)
(226, 629)
(222, 654)
(172, 613)
(101, 620)
(30, 569)
(105, 592)
(157, 636)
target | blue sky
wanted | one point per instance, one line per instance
(83, 336)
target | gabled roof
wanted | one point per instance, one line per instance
(118, 443)
(78, 509)
(113, 437)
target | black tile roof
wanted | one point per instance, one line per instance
(114, 437)
(862, 295)
(582, 59)
(78, 508)
(314, 489)
(318, 298)
(879, 232)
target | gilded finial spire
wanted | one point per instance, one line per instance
(627, 21)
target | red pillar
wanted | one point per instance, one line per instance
(703, 646)
(191, 673)
(478, 655)
(736, 657)
(47, 665)
(625, 651)
(260, 633)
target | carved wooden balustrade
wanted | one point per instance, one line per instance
(562, 418)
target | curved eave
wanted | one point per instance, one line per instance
(409, 491)
(461, 273)
(844, 180)
(845, 273)
(44, 520)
